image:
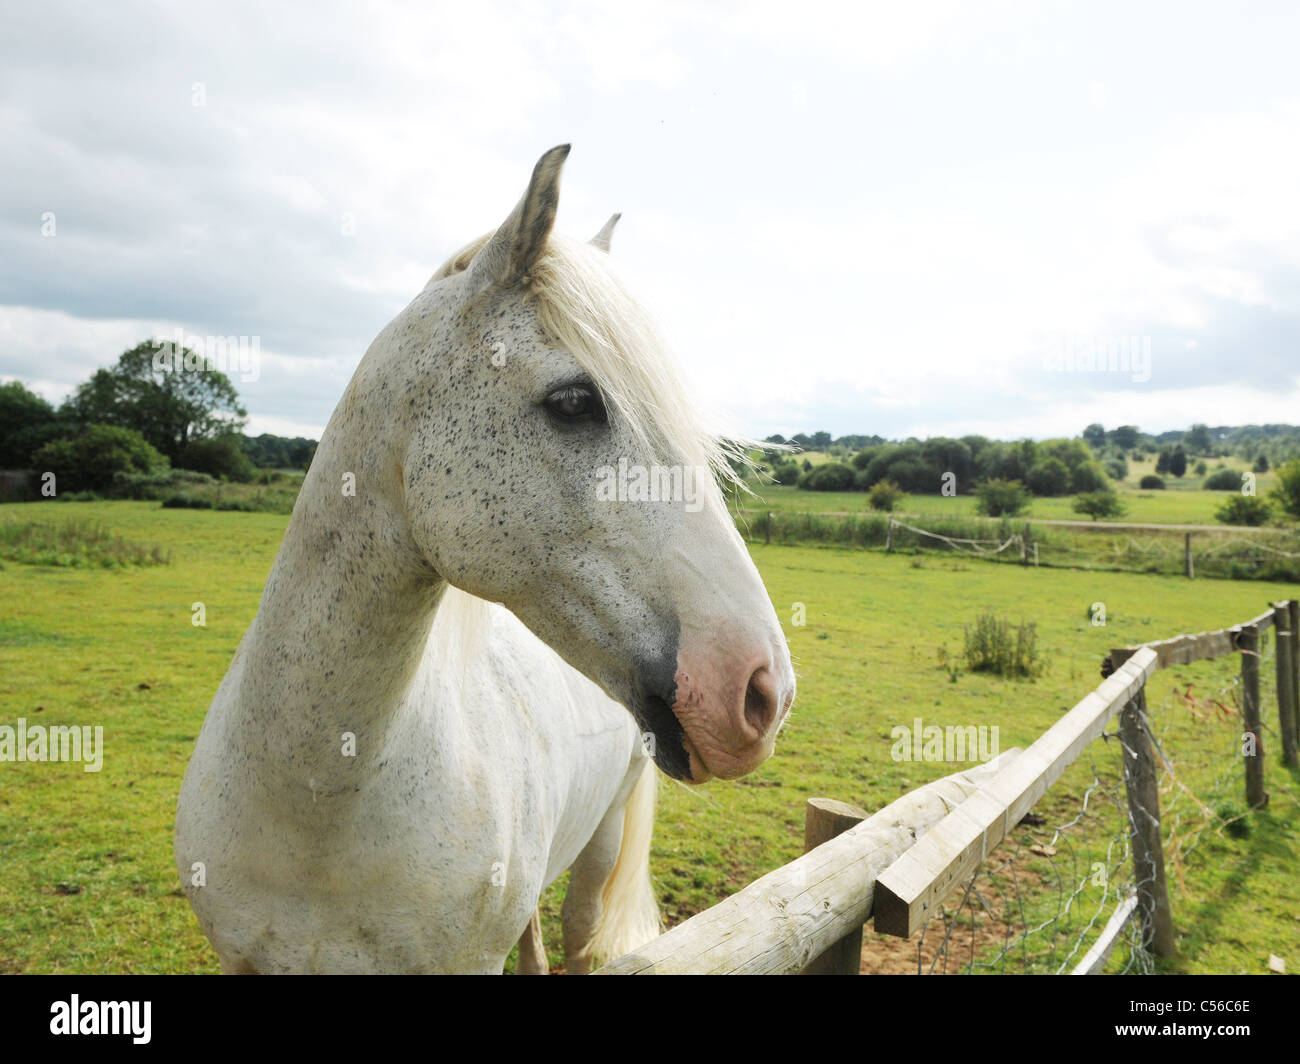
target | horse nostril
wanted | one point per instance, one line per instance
(761, 700)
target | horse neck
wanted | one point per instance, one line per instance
(345, 618)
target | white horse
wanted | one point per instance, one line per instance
(428, 720)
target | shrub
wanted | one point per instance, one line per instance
(1088, 477)
(220, 456)
(1201, 467)
(1243, 510)
(1050, 477)
(1098, 504)
(782, 472)
(1001, 498)
(1151, 482)
(1286, 492)
(992, 645)
(831, 476)
(884, 496)
(1223, 480)
(187, 502)
(1261, 464)
(89, 462)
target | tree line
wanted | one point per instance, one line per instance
(137, 418)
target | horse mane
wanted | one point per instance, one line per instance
(585, 307)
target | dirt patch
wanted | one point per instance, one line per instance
(981, 930)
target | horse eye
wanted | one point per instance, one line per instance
(575, 401)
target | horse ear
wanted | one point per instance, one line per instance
(601, 239)
(508, 257)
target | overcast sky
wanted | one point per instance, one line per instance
(853, 217)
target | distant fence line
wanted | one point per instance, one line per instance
(898, 865)
(1266, 555)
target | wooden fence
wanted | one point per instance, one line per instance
(899, 864)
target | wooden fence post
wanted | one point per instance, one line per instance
(1293, 608)
(1286, 663)
(1247, 641)
(889, 537)
(823, 819)
(1144, 824)
(1187, 555)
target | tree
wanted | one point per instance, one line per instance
(1050, 477)
(1261, 463)
(1125, 437)
(26, 423)
(821, 440)
(786, 472)
(830, 476)
(1286, 490)
(168, 407)
(1095, 436)
(218, 457)
(1098, 504)
(1163, 459)
(1243, 510)
(1001, 498)
(88, 462)
(1197, 440)
(1178, 461)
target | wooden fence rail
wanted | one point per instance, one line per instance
(899, 864)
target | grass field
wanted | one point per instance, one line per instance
(1180, 502)
(87, 882)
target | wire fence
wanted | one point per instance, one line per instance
(1272, 554)
(1041, 900)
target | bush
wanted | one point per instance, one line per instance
(154, 486)
(1261, 464)
(884, 496)
(218, 457)
(1201, 467)
(1243, 510)
(89, 462)
(1050, 477)
(1151, 482)
(1098, 504)
(993, 646)
(1286, 492)
(1223, 480)
(187, 502)
(832, 476)
(1089, 476)
(782, 472)
(1001, 498)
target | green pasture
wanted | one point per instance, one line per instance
(1181, 502)
(87, 882)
